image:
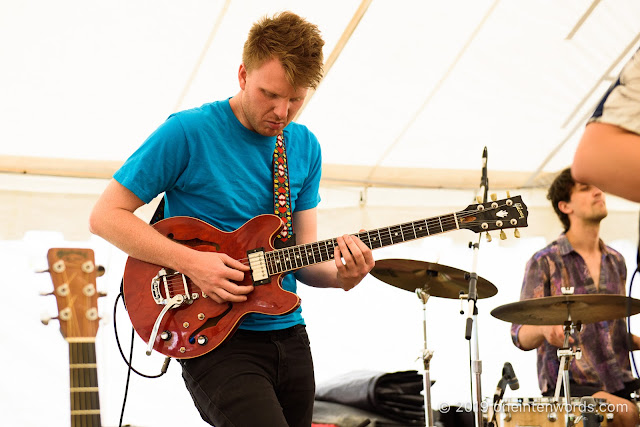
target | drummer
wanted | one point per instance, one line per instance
(574, 259)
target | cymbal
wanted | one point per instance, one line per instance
(436, 279)
(555, 310)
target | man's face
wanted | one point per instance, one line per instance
(269, 102)
(587, 202)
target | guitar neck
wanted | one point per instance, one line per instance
(83, 375)
(295, 257)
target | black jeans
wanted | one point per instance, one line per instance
(255, 379)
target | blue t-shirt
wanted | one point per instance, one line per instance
(213, 168)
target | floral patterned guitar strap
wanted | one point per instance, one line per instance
(281, 194)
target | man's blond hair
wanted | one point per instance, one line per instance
(295, 42)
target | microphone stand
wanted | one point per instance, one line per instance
(472, 313)
(472, 326)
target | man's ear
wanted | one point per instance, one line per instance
(564, 207)
(242, 76)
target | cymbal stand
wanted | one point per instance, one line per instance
(566, 354)
(426, 359)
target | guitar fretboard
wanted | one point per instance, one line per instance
(295, 257)
(83, 380)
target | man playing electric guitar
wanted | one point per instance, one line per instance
(216, 163)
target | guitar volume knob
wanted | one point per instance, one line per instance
(202, 340)
(165, 335)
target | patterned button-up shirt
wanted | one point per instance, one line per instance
(605, 350)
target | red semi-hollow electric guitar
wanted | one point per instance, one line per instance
(174, 317)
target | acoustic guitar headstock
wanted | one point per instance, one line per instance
(73, 273)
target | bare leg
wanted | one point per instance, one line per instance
(625, 412)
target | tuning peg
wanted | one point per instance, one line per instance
(100, 270)
(494, 197)
(101, 294)
(516, 233)
(479, 199)
(45, 293)
(488, 236)
(42, 271)
(503, 236)
(45, 318)
(508, 195)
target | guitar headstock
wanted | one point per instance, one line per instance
(495, 215)
(73, 273)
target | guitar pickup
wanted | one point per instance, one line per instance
(258, 265)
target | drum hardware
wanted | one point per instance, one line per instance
(565, 354)
(426, 280)
(584, 308)
(589, 415)
(572, 311)
(426, 360)
(436, 279)
(544, 411)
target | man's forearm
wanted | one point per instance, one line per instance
(530, 337)
(608, 157)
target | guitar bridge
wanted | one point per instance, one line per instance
(173, 284)
(258, 265)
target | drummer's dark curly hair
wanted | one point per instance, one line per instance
(560, 191)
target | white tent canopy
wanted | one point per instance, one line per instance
(414, 90)
(411, 85)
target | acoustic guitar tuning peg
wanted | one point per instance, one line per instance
(45, 293)
(494, 197)
(45, 318)
(488, 236)
(508, 194)
(102, 294)
(516, 233)
(479, 199)
(100, 270)
(503, 236)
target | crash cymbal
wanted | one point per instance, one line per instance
(555, 310)
(436, 279)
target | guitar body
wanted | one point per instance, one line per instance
(201, 324)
